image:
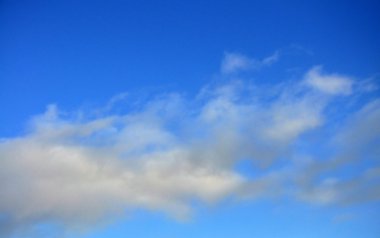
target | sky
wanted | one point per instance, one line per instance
(189, 119)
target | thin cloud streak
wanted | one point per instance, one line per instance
(236, 62)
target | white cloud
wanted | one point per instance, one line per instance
(357, 144)
(271, 59)
(76, 180)
(290, 118)
(326, 192)
(78, 171)
(333, 84)
(331, 191)
(158, 158)
(235, 62)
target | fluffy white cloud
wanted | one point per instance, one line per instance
(77, 171)
(333, 84)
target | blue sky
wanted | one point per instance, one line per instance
(189, 119)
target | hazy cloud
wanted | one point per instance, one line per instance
(357, 145)
(235, 62)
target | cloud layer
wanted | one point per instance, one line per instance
(77, 170)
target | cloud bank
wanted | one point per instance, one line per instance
(77, 170)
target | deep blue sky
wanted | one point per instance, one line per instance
(75, 52)
(79, 54)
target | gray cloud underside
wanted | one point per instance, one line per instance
(173, 150)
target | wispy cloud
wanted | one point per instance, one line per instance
(357, 144)
(334, 84)
(236, 62)
(78, 171)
